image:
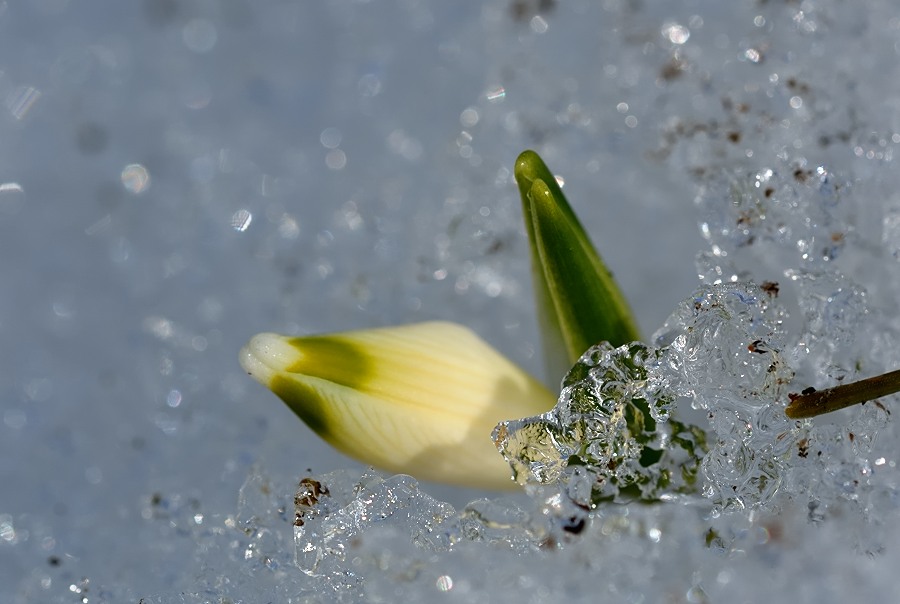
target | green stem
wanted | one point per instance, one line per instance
(820, 402)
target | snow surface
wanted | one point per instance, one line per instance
(175, 177)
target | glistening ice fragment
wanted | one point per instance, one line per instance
(613, 432)
(610, 430)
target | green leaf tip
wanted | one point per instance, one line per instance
(579, 303)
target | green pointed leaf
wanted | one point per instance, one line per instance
(579, 302)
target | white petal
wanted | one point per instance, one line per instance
(418, 399)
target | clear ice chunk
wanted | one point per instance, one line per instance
(833, 308)
(609, 438)
(503, 523)
(721, 346)
(722, 351)
(333, 512)
(792, 209)
(614, 436)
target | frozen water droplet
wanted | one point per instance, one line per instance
(724, 341)
(753, 55)
(330, 138)
(715, 268)
(336, 159)
(21, 100)
(722, 349)
(539, 24)
(495, 94)
(608, 437)
(795, 210)
(12, 197)
(833, 307)
(240, 220)
(676, 33)
(136, 178)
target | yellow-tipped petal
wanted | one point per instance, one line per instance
(418, 399)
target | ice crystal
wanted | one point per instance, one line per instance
(613, 435)
(332, 513)
(610, 437)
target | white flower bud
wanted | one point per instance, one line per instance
(418, 399)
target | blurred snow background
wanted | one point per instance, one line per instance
(177, 176)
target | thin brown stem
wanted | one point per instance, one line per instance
(817, 402)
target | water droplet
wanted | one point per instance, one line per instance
(336, 159)
(240, 220)
(136, 178)
(288, 227)
(369, 85)
(676, 33)
(539, 25)
(330, 138)
(173, 399)
(22, 100)
(12, 197)
(495, 94)
(469, 117)
(7, 529)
